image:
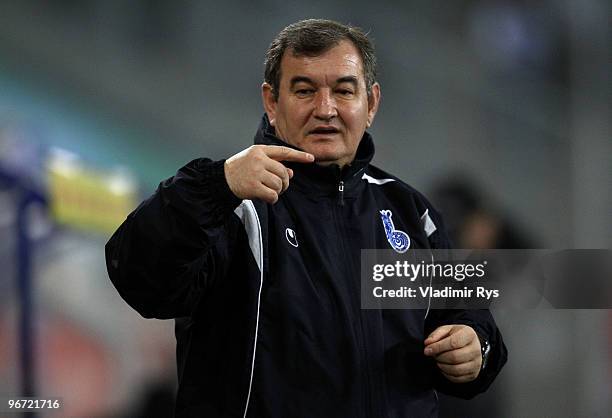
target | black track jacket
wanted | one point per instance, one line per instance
(267, 297)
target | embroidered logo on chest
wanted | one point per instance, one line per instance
(291, 237)
(399, 240)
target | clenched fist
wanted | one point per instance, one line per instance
(456, 349)
(256, 172)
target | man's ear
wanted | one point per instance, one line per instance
(373, 102)
(269, 102)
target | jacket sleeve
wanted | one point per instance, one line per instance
(480, 320)
(168, 250)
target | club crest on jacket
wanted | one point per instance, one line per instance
(399, 240)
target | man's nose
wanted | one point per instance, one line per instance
(325, 105)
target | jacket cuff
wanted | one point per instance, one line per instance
(200, 190)
(214, 174)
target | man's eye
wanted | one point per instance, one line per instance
(345, 92)
(304, 92)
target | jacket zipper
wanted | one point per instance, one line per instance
(361, 330)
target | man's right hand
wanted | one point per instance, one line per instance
(256, 172)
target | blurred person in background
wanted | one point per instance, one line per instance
(257, 258)
(473, 221)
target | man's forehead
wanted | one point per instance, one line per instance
(339, 61)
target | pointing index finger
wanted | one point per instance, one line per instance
(280, 153)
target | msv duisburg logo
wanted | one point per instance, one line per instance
(399, 240)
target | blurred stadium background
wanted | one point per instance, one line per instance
(499, 110)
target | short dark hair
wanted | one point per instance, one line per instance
(313, 37)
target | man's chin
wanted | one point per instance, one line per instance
(327, 154)
(326, 163)
(326, 159)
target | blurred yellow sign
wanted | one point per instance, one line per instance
(85, 198)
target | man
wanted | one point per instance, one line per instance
(258, 257)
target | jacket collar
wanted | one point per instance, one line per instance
(317, 177)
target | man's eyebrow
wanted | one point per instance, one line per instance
(348, 79)
(303, 79)
(300, 79)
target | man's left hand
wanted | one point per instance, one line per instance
(456, 349)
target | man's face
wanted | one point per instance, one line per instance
(323, 106)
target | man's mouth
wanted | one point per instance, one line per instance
(324, 130)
